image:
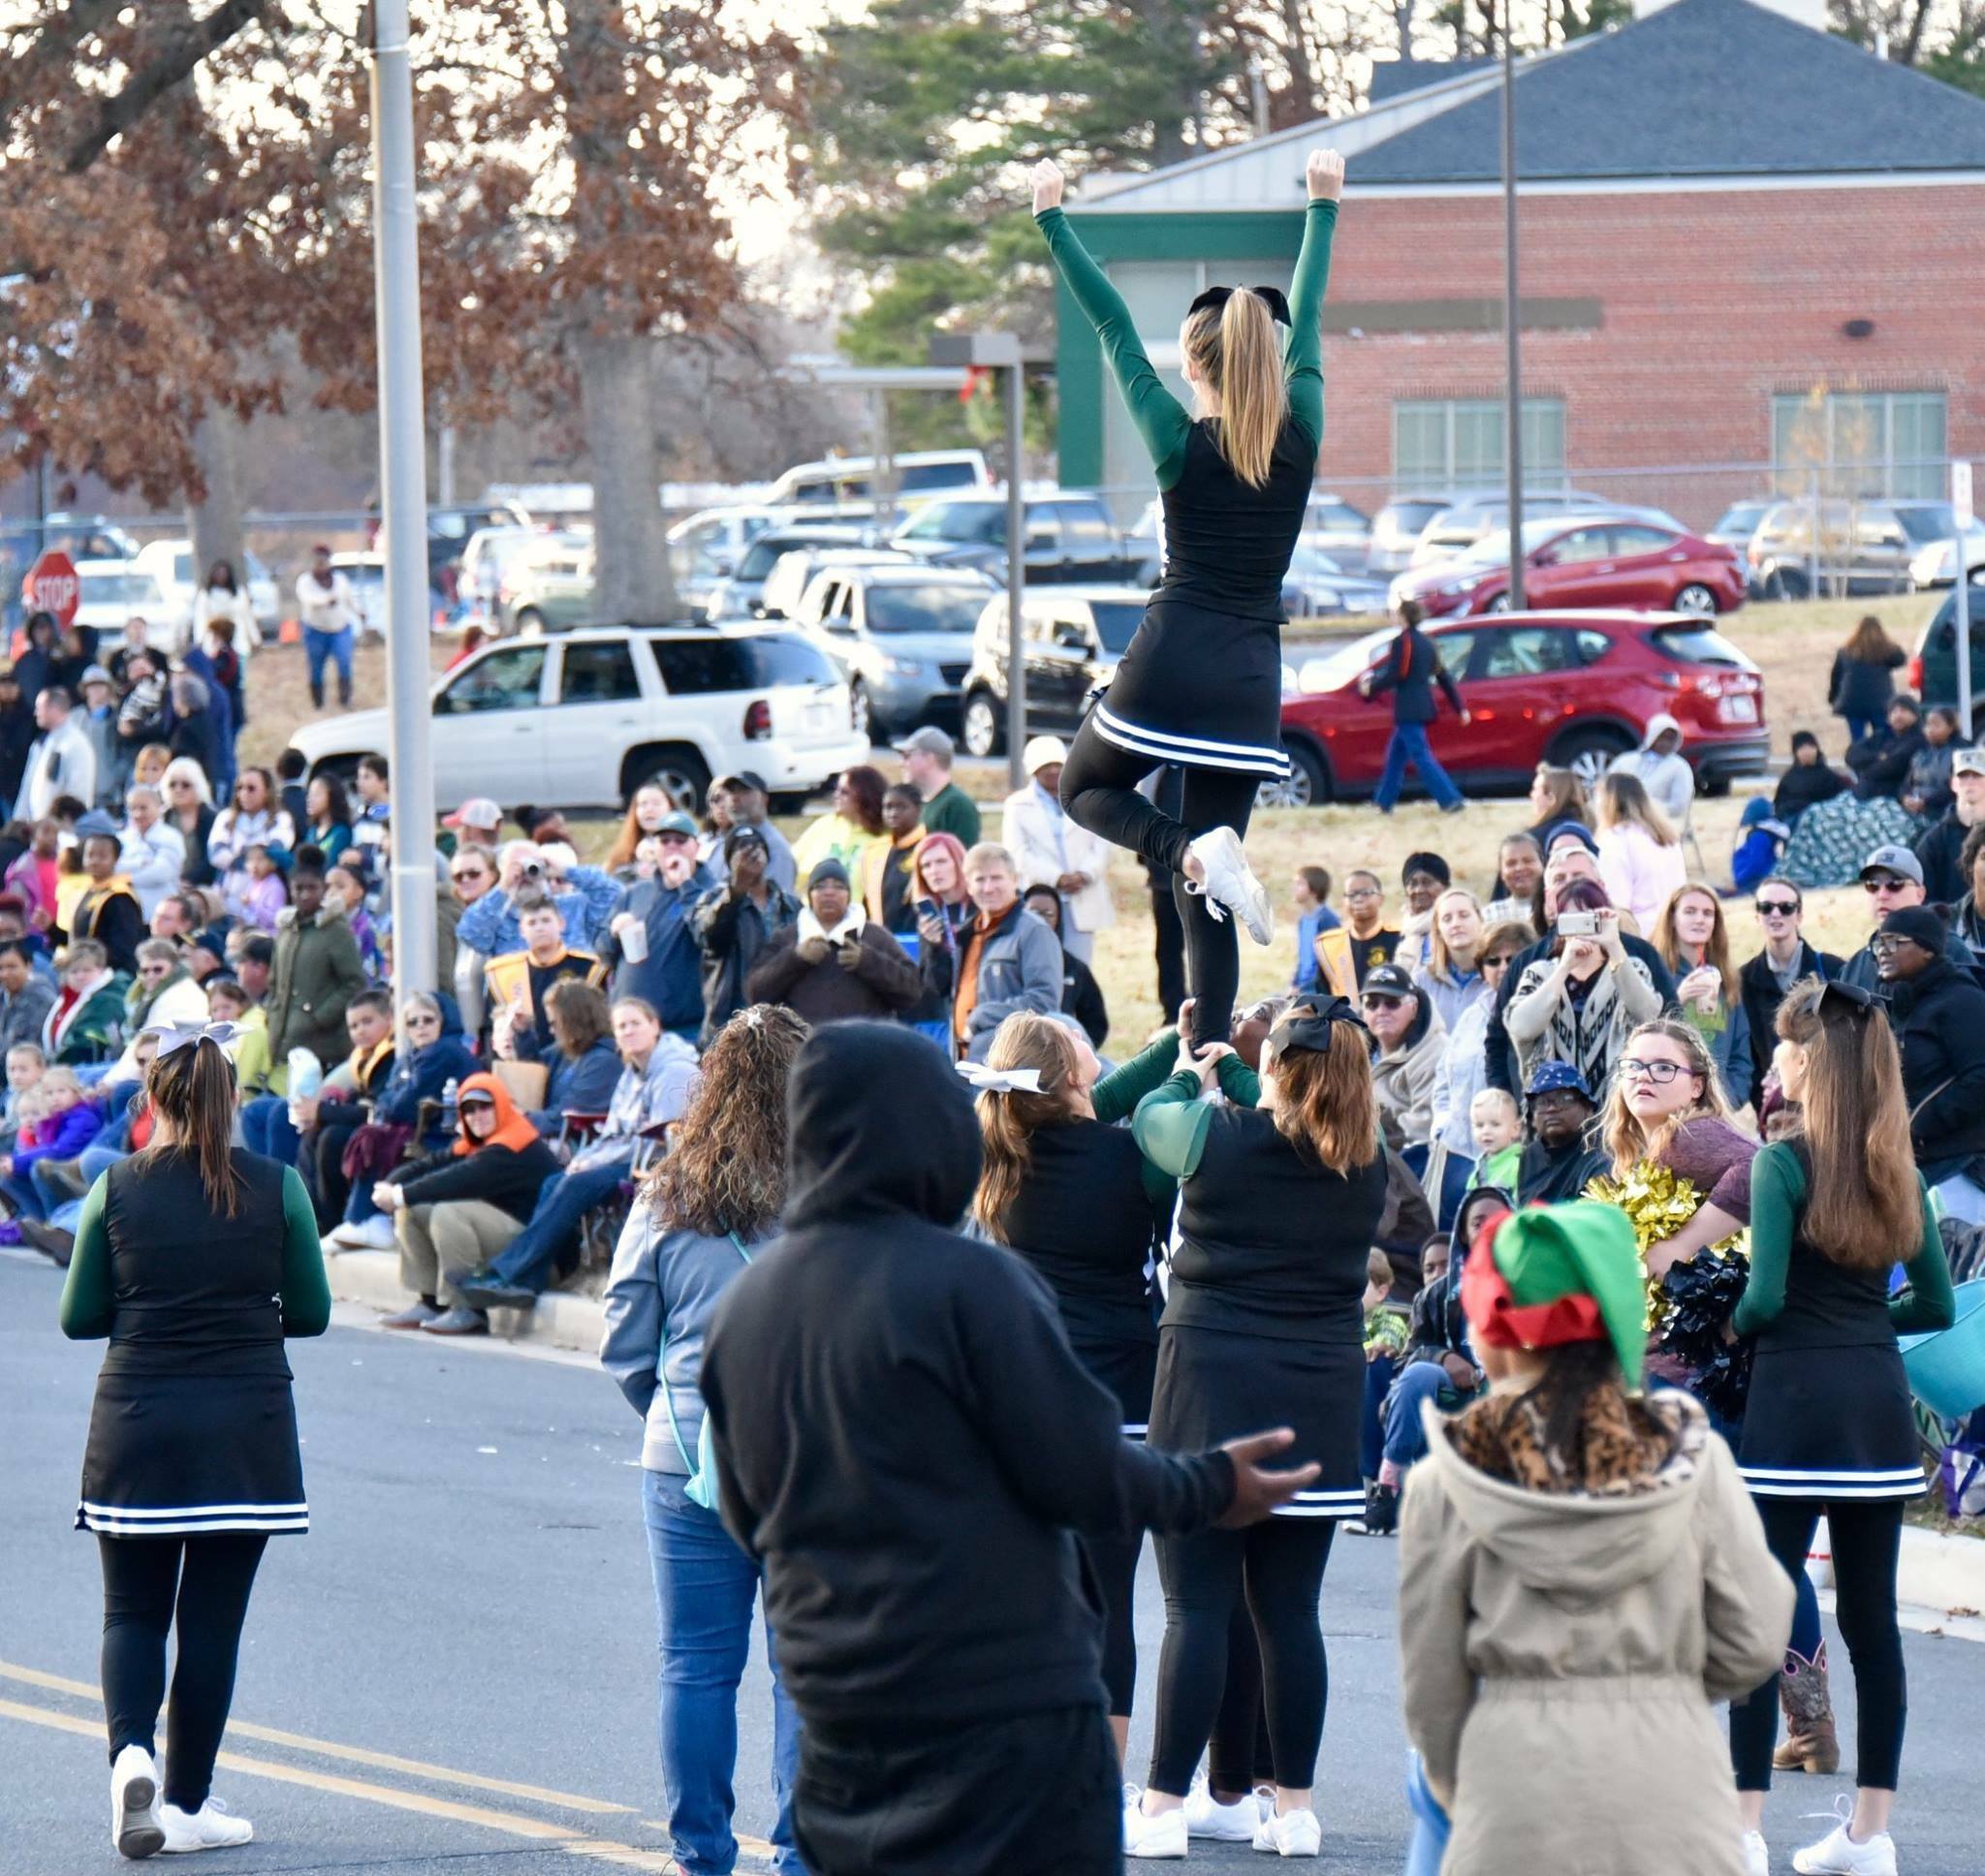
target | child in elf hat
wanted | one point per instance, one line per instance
(1582, 1577)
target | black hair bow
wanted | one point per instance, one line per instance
(1307, 1022)
(1214, 298)
(1850, 998)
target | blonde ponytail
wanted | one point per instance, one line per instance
(1240, 362)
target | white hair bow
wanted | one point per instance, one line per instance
(1002, 1080)
(173, 1036)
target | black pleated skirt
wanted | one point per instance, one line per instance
(1830, 1423)
(1213, 1386)
(1128, 1369)
(170, 1455)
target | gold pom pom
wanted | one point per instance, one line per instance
(1658, 1202)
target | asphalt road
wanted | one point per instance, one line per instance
(454, 1671)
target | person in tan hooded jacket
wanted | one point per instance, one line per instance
(1582, 1578)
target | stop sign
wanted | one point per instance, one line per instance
(52, 586)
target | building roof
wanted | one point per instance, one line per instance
(1702, 87)
(1394, 77)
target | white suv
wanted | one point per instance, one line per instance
(583, 719)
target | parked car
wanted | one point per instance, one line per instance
(841, 481)
(785, 586)
(109, 592)
(1315, 587)
(1936, 565)
(1070, 537)
(1336, 536)
(1736, 524)
(1587, 560)
(1331, 525)
(366, 573)
(1933, 668)
(449, 532)
(707, 546)
(1862, 547)
(1396, 527)
(1073, 637)
(550, 586)
(171, 563)
(740, 595)
(1473, 519)
(582, 720)
(901, 635)
(1576, 688)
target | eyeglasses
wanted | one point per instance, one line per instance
(1889, 884)
(423, 1020)
(1776, 908)
(1361, 893)
(1882, 944)
(1660, 1074)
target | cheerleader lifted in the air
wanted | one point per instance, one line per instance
(1201, 686)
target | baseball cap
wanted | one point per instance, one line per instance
(677, 821)
(744, 835)
(1387, 981)
(478, 811)
(931, 740)
(1549, 1077)
(1041, 751)
(95, 674)
(1571, 830)
(1969, 762)
(743, 778)
(1918, 924)
(1899, 861)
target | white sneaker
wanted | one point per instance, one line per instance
(1163, 1835)
(1290, 1834)
(374, 1234)
(1230, 882)
(1757, 1858)
(1207, 1817)
(135, 1827)
(1836, 1854)
(210, 1828)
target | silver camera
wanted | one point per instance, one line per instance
(1578, 925)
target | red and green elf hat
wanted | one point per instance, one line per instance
(1551, 1275)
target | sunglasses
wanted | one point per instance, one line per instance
(470, 873)
(1776, 908)
(421, 1019)
(1890, 885)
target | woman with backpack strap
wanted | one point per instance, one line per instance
(695, 1226)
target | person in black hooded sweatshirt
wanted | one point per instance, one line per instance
(903, 1435)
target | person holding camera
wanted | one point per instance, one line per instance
(585, 898)
(649, 948)
(1578, 1001)
(833, 962)
(734, 922)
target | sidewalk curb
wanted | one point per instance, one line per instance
(561, 1320)
(1940, 1572)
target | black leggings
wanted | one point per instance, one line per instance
(1278, 1566)
(1866, 1535)
(1112, 1562)
(143, 1579)
(1239, 1755)
(1100, 791)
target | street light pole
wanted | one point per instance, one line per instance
(1016, 577)
(404, 500)
(1513, 414)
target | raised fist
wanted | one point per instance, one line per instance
(1047, 180)
(1324, 172)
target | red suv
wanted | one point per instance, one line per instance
(1571, 688)
(1589, 561)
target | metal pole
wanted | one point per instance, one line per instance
(404, 500)
(1960, 479)
(1512, 335)
(1016, 578)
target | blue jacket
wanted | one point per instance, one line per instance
(584, 1086)
(1410, 671)
(671, 976)
(421, 1075)
(1308, 924)
(489, 926)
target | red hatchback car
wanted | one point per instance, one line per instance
(1573, 688)
(1591, 561)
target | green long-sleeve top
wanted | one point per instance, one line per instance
(1171, 1122)
(89, 1301)
(1122, 1092)
(1159, 417)
(1777, 1192)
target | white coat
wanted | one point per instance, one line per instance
(1045, 843)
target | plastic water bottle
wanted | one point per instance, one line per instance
(306, 1078)
(449, 1110)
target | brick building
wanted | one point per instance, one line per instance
(1746, 246)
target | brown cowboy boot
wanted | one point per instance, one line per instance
(1810, 1742)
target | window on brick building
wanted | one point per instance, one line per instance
(1861, 442)
(1458, 442)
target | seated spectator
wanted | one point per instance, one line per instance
(584, 1064)
(1344, 954)
(649, 948)
(1403, 1023)
(515, 984)
(1641, 862)
(1759, 846)
(658, 1074)
(144, 715)
(163, 992)
(315, 975)
(1311, 895)
(289, 771)
(253, 818)
(153, 855)
(250, 957)
(888, 867)
(1578, 997)
(471, 873)
(1945, 879)
(106, 909)
(584, 896)
(1005, 958)
(1557, 796)
(248, 1051)
(1968, 915)
(645, 813)
(1519, 877)
(199, 724)
(1893, 881)
(455, 1211)
(328, 816)
(1881, 762)
(261, 901)
(1660, 768)
(1464, 1062)
(14, 931)
(25, 1067)
(190, 813)
(833, 962)
(1939, 1017)
(733, 922)
(1694, 944)
(324, 1126)
(1766, 980)
(64, 1183)
(1808, 781)
(371, 829)
(34, 875)
(1423, 879)
(86, 1021)
(1926, 790)
(1498, 1128)
(849, 829)
(1558, 1161)
(69, 1122)
(1050, 850)
(1451, 977)
(1081, 996)
(25, 1000)
(344, 891)
(432, 1055)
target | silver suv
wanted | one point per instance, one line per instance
(1861, 547)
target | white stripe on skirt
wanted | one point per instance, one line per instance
(1191, 752)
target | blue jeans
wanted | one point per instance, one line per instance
(563, 1200)
(704, 1588)
(23, 1197)
(1405, 1439)
(323, 648)
(265, 1129)
(1861, 726)
(1408, 744)
(1378, 1373)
